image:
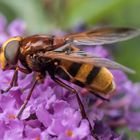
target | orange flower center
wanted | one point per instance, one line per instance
(37, 138)
(69, 133)
(12, 116)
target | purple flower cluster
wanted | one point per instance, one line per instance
(53, 113)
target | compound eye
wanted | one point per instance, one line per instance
(11, 51)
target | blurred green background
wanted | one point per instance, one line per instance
(43, 16)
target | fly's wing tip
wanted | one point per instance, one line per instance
(129, 70)
(135, 31)
(132, 71)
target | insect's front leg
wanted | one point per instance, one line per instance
(14, 80)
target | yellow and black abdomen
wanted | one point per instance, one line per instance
(95, 79)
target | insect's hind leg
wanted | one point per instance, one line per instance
(81, 106)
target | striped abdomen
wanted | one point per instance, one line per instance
(95, 79)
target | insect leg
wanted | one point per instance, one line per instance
(15, 78)
(27, 99)
(13, 81)
(39, 77)
(81, 106)
(23, 70)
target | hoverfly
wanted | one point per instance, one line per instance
(62, 59)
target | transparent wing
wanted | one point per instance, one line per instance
(81, 57)
(102, 36)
